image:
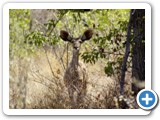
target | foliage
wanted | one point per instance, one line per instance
(109, 69)
(19, 21)
(107, 43)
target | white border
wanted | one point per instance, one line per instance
(8, 6)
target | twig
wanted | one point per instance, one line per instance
(40, 82)
(50, 65)
(42, 76)
(44, 85)
(59, 59)
(55, 24)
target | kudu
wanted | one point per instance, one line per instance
(75, 77)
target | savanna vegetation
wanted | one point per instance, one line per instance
(114, 56)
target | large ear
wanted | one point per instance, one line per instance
(65, 36)
(87, 35)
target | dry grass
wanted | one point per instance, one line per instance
(37, 82)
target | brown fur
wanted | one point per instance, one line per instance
(75, 80)
(75, 77)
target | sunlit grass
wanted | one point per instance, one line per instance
(37, 82)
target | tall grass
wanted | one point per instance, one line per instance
(36, 82)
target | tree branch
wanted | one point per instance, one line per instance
(127, 51)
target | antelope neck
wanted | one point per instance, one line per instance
(74, 61)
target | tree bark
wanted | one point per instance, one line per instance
(137, 44)
(138, 48)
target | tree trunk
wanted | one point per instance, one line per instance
(136, 28)
(138, 50)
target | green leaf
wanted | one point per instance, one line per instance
(109, 69)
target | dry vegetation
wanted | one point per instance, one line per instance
(37, 82)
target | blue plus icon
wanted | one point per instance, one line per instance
(147, 99)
